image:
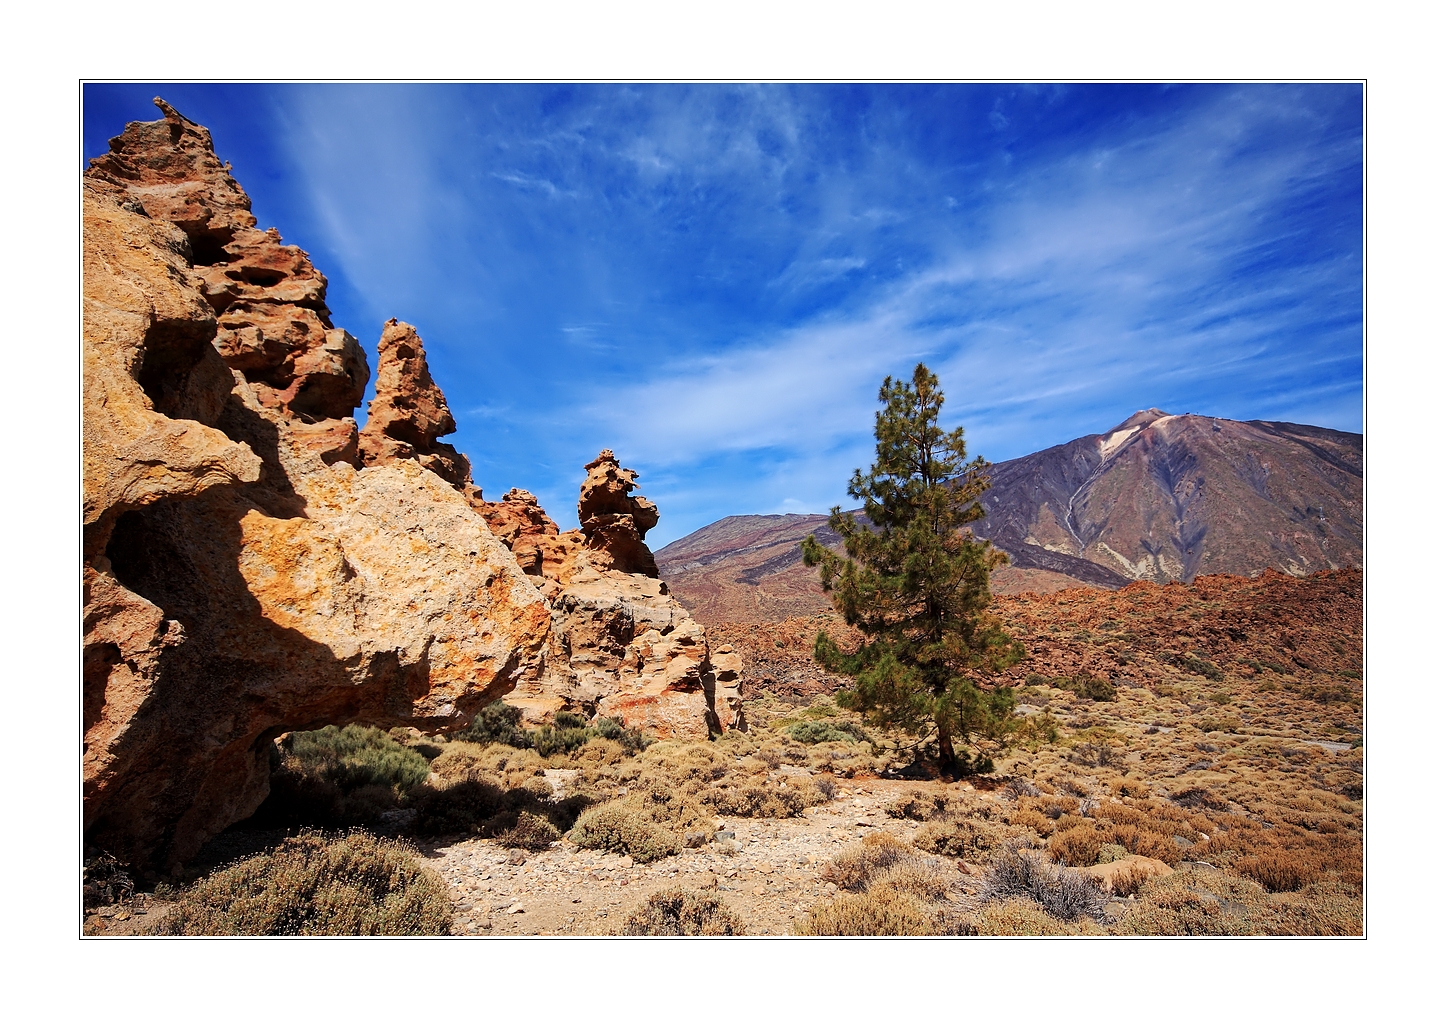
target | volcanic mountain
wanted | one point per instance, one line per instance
(1158, 497)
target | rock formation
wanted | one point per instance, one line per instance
(613, 521)
(253, 565)
(242, 577)
(621, 645)
(409, 413)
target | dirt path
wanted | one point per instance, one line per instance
(772, 879)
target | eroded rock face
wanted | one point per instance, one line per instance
(613, 521)
(255, 565)
(620, 644)
(409, 413)
(242, 576)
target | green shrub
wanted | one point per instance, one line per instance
(676, 912)
(621, 827)
(354, 757)
(1199, 666)
(496, 723)
(815, 731)
(312, 885)
(338, 777)
(1086, 686)
(460, 807)
(548, 740)
(632, 740)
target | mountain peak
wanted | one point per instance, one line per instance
(1139, 418)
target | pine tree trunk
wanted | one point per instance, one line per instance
(948, 763)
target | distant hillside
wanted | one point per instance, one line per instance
(1158, 497)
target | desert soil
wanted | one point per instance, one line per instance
(771, 879)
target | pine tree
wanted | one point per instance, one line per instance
(915, 582)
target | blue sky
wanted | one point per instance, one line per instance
(713, 280)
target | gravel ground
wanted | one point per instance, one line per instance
(769, 873)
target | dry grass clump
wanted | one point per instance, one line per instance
(312, 885)
(676, 912)
(1063, 893)
(894, 881)
(530, 831)
(1024, 918)
(920, 877)
(760, 795)
(622, 827)
(878, 912)
(967, 838)
(856, 867)
(1078, 846)
(1200, 901)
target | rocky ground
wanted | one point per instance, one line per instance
(768, 871)
(1235, 703)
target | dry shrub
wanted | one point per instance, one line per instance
(1278, 871)
(920, 877)
(1286, 855)
(1067, 821)
(1331, 909)
(1201, 799)
(1201, 901)
(1144, 842)
(1078, 846)
(1035, 820)
(965, 837)
(878, 912)
(857, 866)
(1129, 880)
(311, 885)
(622, 827)
(762, 796)
(918, 806)
(1020, 918)
(667, 806)
(1065, 894)
(497, 762)
(530, 832)
(676, 912)
(844, 760)
(1057, 807)
(1185, 904)
(686, 763)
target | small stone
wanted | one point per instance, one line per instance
(516, 908)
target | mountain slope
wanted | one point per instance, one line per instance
(1158, 497)
(1166, 497)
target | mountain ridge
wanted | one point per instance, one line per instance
(1159, 497)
